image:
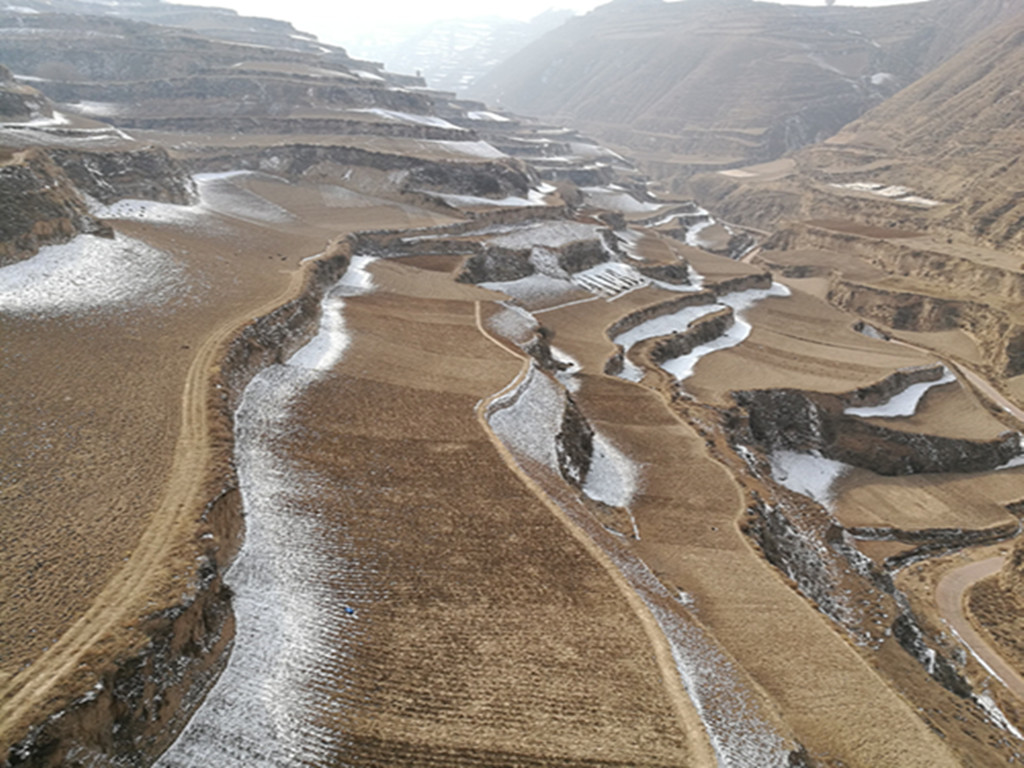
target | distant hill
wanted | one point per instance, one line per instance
(954, 134)
(452, 54)
(720, 83)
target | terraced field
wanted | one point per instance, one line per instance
(372, 432)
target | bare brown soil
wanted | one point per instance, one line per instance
(688, 516)
(497, 636)
(118, 452)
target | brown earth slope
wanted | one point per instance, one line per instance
(689, 85)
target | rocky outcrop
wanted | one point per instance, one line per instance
(497, 263)
(900, 256)
(149, 173)
(41, 206)
(574, 444)
(20, 102)
(676, 274)
(932, 542)
(805, 422)
(633, 319)
(807, 544)
(760, 281)
(139, 704)
(539, 348)
(700, 331)
(881, 391)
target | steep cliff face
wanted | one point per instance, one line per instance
(695, 84)
(700, 331)
(806, 422)
(147, 174)
(999, 335)
(20, 102)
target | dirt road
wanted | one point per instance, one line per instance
(950, 594)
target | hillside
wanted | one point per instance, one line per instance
(954, 135)
(688, 85)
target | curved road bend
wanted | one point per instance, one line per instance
(949, 595)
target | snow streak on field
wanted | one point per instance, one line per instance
(903, 403)
(218, 194)
(526, 419)
(90, 273)
(298, 600)
(682, 367)
(808, 474)
(613, 477)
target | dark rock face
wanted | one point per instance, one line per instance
(910, 637)
(496, 265)
(148, 174)
(633, 319)
(574, 444)
(20, 102)
(881, 391)
(761, 281)
(147, 698)
(540, 350)
(676, 274)
(40, 206)
(807, 421)
(1000, 338)
(700, 331)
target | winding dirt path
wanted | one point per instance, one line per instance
(685, 710)
(950, 595)
(109, 626)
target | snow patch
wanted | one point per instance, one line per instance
(476, 149)
(610, 280)
(693, 238)
(683, 367)
(326, 349)
(409, 117)
(903, 403)
(90, 272)
(619, 200)
(810, 475)
(99, 108)
(613, 478)
(488, 116)
(528, 418)
(506, 202)
(551, 234)
(219, 193)
(513, 323)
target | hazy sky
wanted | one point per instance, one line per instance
(333, 23)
